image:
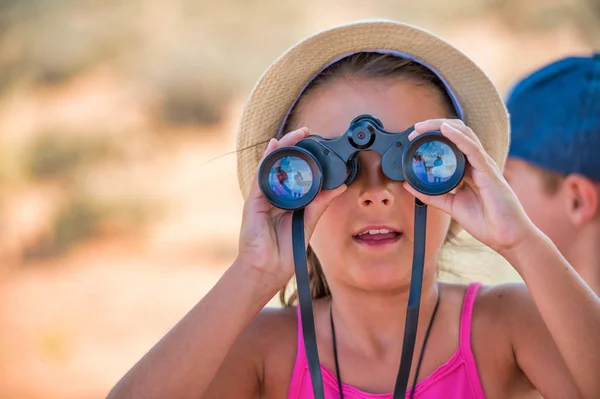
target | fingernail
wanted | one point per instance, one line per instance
(270, 145)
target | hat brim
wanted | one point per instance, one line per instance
(278, 88)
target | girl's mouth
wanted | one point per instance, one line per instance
(377, 236)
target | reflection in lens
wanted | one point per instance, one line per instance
(290, 178)
(434, 163)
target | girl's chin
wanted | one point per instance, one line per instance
(380, 275)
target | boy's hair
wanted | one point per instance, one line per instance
(365, 66)
(550, 180)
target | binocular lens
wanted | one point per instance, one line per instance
(290, 178)
(434, 163)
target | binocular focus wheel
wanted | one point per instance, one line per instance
(367, 118)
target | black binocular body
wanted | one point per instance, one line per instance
(291, 177)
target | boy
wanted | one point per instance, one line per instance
(554, 157)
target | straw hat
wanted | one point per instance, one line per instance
(475, 97)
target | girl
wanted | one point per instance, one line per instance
(507, 341)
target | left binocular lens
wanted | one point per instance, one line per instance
(290, 178)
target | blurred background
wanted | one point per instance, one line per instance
(119, 205)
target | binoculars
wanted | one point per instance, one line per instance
(291, 177)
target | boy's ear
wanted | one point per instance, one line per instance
(583, 196)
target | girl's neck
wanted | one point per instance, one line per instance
(373, 323)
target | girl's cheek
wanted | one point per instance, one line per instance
(437, 226)
(329, 217)
(331, 227)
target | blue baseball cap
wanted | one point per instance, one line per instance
(555, 117)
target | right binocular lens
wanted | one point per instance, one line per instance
(434, 163)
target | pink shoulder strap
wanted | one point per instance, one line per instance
(465, 339)
(466, 316)
(299, 365)
(301, 354)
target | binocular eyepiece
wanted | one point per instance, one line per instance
(291, 177)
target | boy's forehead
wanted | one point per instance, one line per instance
(517, 166)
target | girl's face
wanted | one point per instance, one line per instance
(372, 262)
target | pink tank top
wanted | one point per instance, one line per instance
(457, 378)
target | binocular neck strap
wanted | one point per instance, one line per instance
(412, 311)
(305, 299)
(414, 300)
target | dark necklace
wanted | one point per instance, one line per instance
(335, 355)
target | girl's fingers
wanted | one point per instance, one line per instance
(288, 140)
(435, 125)
(254, 188)
(293, 137)
(476, 155)
(443, 202)
(318, 206)
(464, 138)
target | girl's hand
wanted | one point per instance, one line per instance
(483, 204)
(265, 243)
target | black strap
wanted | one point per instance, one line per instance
(335, 352)
(414, 300)
(412, 312)
(437, 302)
(305, 299)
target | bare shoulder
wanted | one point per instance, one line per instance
(509, 309)
(510, 304)
(513, 307)
(273, 328)
(273, 336)
(272, 321)
(492, 309)
(491, 340)
(513, 347)
(260, 362)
